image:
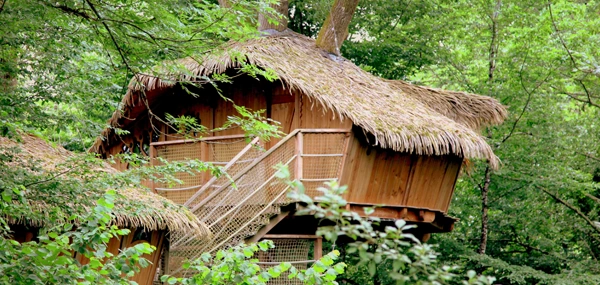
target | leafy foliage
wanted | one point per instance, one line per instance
(411, 261)
(49, 260)
(239, 265)
(65, 64)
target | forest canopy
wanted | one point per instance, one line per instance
(65, 65)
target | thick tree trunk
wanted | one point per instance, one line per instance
(484, 210)
(335, 28)
(280, 22)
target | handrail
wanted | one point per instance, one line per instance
(249, 195)
(251, 220)
(229, 206)
(184, 141)
(257, 161)
(246, 169)
(225, 168)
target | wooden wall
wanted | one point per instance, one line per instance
(155, 238)
(292, 110)
(315, 116)
(374, 175)
(379, 176)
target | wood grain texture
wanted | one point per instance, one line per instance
(378, 176)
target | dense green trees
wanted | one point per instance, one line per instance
(64, 66)
(540, 59)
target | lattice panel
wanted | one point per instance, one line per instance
(321, 167)
(296, 251)
(181, 152)
(210, 189)
(236, 211)
(324, 143)
(217, 151)
(224, 150)
(323, 155)
(174, 153)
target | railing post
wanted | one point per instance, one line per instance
(299, 152)
(152, 163)
(204, 156)
(318, 250)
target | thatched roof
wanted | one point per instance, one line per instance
(134, 208)
(400, 116)
(472, 110)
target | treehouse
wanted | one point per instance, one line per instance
(149, 216)
(398, 147)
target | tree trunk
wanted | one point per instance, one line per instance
(335, 28)
(488, 172)
(494, 41)
(224, 3)
(484, 210)
(280, 20)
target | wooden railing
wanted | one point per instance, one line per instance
(233, 159)
(220, 151)
(237, 205)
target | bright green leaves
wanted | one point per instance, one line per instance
(65, 64)
(50, 259)
(399, 255)
(239, 265)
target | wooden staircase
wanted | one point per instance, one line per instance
(238, 205)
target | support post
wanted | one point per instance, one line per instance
(299, 152)
(152, 163)
(204, 156)
(318, 251)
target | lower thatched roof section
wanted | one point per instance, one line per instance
(134, 208)
(401, 117)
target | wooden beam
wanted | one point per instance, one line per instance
(299, 152)
(264, 230)
(325, 130)
(205, 156)
(152, 163)
(318, 250)
(199, 140)
(278, 236)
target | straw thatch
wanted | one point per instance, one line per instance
(134, 208)
(401, 117)
(472, 110)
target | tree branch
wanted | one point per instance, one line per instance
(575, 65)
(573, 208)
(529, 96)
(2, 5)
(48, 179)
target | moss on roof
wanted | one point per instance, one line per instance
(134, 208)
(401, 116)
